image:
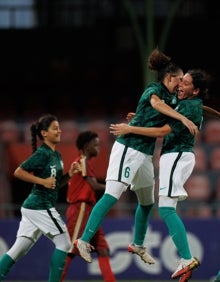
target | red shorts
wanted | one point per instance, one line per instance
(77, 216)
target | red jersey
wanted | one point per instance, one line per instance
(79, 190)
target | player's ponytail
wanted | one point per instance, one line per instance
(33, 137)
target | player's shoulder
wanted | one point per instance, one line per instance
(190, 103)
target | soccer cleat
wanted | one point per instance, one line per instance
(185, 266)
(142, 253)
(185, 277)
(84, 249)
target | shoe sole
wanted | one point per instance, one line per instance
(150, 261)
(189, 267)
(185, 277)
(76, 245)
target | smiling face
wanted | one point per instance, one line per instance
(186, 89)
(53, 134)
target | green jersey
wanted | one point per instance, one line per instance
(147, 116)
(43, 163)
(180, 139)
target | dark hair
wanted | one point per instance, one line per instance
(43, 123)
(85, 137)
(162, 64)
(200, 79)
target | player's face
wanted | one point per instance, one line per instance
(93, 147)
(53, 133)
(186, 88)
(175, 80)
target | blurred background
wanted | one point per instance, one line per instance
(85, 61)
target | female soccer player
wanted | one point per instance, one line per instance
(44, 168)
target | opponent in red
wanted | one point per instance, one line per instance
(81, 197)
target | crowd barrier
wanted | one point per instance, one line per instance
(203, 238)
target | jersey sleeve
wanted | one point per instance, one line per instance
(35, 161)
(189, 109)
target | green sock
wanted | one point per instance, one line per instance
(141, 223)
(57, 265)
(177, 231)
(97, 215)
(6, 263)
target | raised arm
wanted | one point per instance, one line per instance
(210, 112)
(163, 108)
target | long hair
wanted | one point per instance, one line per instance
(43, 123)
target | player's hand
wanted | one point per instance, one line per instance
(130, 116)
(191, 126)
(49, 182)
(74, 168)
(119, 129)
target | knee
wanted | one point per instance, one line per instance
(63, 242)
(64, 246)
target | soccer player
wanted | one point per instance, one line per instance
(130, 163)
(176, 162)
(44, 168)
(81, 197)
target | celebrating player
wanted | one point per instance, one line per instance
(130, 163)
(176, 162)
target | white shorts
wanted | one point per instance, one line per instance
(174, 170)
(34, 223)
(131, 167)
